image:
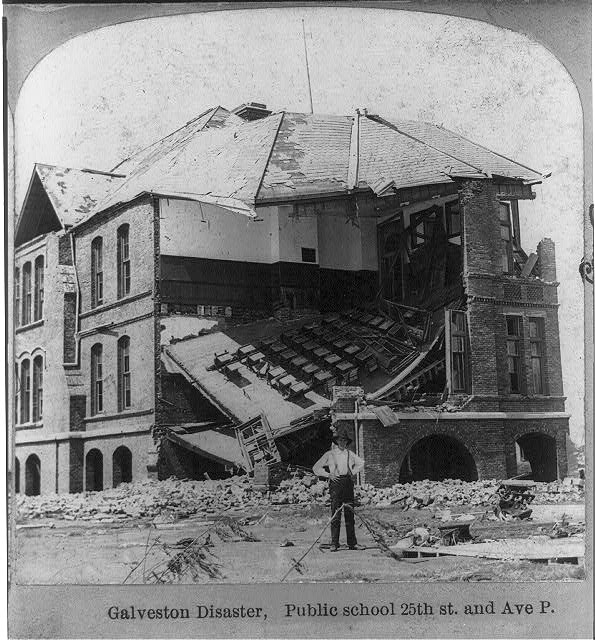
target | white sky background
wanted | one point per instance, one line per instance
(104, 95)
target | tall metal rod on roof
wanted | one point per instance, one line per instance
(307, 66)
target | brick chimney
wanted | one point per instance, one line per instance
(547, 260)
(252, 111)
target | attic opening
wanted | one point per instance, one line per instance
(438, 457)
(537, 456)
(38, 216)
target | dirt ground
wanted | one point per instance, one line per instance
(83, 552)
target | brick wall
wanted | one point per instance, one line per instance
(139, 216)
(69, 327)
(547, 260)
(132, 316)
(490, 442)
(481, 225)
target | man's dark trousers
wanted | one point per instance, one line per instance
(341, 491)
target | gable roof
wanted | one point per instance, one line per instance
(59, 197)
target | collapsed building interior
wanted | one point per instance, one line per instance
(407, 348)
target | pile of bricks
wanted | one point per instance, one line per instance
(172, 499)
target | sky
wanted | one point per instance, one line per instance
(104, 95)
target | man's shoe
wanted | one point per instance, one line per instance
(355, 547)
(334, 547)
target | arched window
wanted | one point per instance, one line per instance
(17, 476)
(25, 395)
(17, 297)
(26, 305)
(37, 389)
(122, 465)
(38, 299)
(96, 379)
(32, 476)
(94, 471)
(97, 272)
(124, 393)
(123, 261)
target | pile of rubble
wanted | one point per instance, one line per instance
(167, 500)
(172, 499)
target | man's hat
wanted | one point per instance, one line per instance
(342, 436)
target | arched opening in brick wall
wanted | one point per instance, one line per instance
(122, 465)
(537, 457)
(17, 476)
(94, 470)
(32, 476)
(438, 457)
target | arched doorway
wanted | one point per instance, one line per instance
(94, 471)
(122, 465)
(32, 476)
(17, 476)
(536, 453)
(438, 457)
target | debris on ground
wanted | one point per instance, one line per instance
(173, 499)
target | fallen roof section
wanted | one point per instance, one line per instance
(242, 399)
(211, 444)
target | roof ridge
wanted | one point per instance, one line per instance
(273, 143)
(390, 125)
(171, 133)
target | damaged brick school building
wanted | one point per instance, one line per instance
(233, 294)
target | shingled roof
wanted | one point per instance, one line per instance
(287, 155)
(219, 157)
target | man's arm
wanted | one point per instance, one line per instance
(358, 463)
(318, 468)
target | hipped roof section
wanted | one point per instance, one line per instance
(218, 157)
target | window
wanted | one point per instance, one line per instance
(123, 261)
(17, 393)
(17, 296)
(96, 379)
(38, 301)
(26, 311)
(308, 255)
(25, 391)
(458, 350)
(37, 389)
(506, 237)
(536, 334)
(97, 272)
(124, 399)
(513, 351)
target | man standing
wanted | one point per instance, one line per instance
(342, 465)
